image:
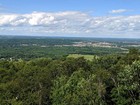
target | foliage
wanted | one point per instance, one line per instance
(106, 80)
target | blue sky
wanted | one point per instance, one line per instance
(91, 18)
(98, 7)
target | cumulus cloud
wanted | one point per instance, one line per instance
(68, 23)
(118, 11)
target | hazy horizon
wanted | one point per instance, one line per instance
(69, 36)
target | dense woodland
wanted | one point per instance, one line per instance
(106, 80)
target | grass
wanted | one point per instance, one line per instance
(88, 57)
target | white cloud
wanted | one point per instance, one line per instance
(69, 23)
(118, 11)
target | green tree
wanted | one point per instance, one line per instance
(127, 90)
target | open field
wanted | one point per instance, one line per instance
(88, 57)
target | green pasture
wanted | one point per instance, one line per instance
(88, 57)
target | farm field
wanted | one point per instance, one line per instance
(87, 57)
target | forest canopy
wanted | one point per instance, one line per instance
(106, 80)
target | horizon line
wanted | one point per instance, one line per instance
(70, 36)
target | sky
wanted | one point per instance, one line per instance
(80, 18)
